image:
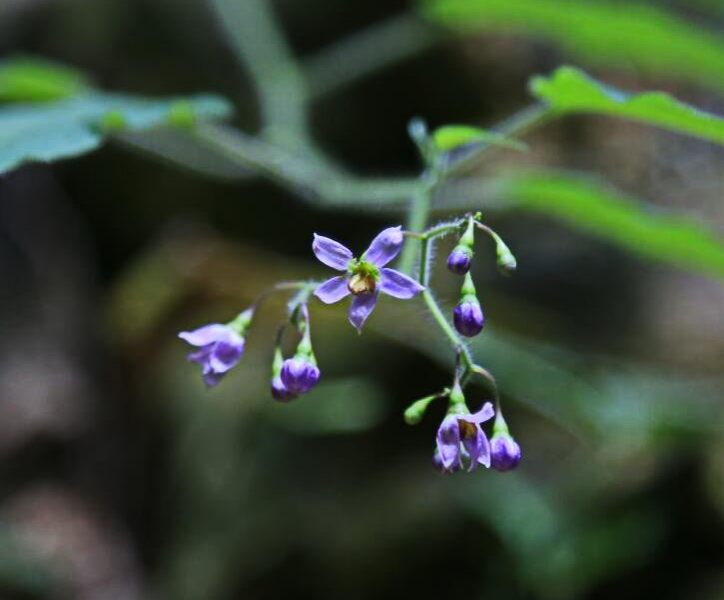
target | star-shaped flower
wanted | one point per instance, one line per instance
(364, 277)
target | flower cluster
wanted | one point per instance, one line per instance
(461, 442)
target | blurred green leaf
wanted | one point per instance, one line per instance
(650, 38)
(341, 406)
(66, 128)
(570, 90)
(31, 79)
(449, 137)
(602, 211)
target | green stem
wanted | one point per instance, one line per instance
(370, 50)
(448, 330)
(416, 220)
(256, 36)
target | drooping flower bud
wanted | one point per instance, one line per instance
(506, 261)
(279, 391)
(468, 315)
(505, 452)
(459, 260)
(416, 410)
(299, 375)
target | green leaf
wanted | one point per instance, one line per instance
(600, 210)
(449, 137)
(624, 34)
(31, 79)
(65, 128)
(569, 90)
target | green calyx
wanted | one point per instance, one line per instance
(277, 362)
(457, 400)
(500, 427)
(364, 276)
(468, 238)
(467, 291)
(242, 322)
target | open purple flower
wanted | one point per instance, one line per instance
(220, 348)
(364, 277)
(461, 433)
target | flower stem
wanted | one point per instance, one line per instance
(419, 209)
(447, 329)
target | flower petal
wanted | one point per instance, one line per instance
(226, 353)
(385, 246)
(211, 379)
(205, 335)
(332, 290)
(478, 447)
(361, 307)
(200, 356)
(484, 414)
(484, 451)
(448, 442)
(331, 253)
(398, 285)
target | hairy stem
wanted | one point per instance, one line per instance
(448, 330)
(416, 220)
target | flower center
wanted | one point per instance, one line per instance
(363, 278)
(468, 430)
(361, 284)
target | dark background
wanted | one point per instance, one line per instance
(123, 478)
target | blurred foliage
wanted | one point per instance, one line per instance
(606, 33)
(570, 90)
(74, 120)
(636, 226)
(610, 367)
(32, 79)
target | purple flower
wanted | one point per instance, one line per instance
(459, 260)
(364, 277)
(279, 391)
(468, 317)
(504, 452)
(220, 348)
(461, 433)
(299, 375)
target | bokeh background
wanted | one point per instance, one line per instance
(123, 478)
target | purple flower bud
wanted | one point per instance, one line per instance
(299, 375)
(468, 318)
(279, 391)
(504, 452)
(459, 260)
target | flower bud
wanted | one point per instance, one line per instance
(504, 452)
(279, 391)
(299, 375)
(468, 318)
(459, 260)
(468, 315)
